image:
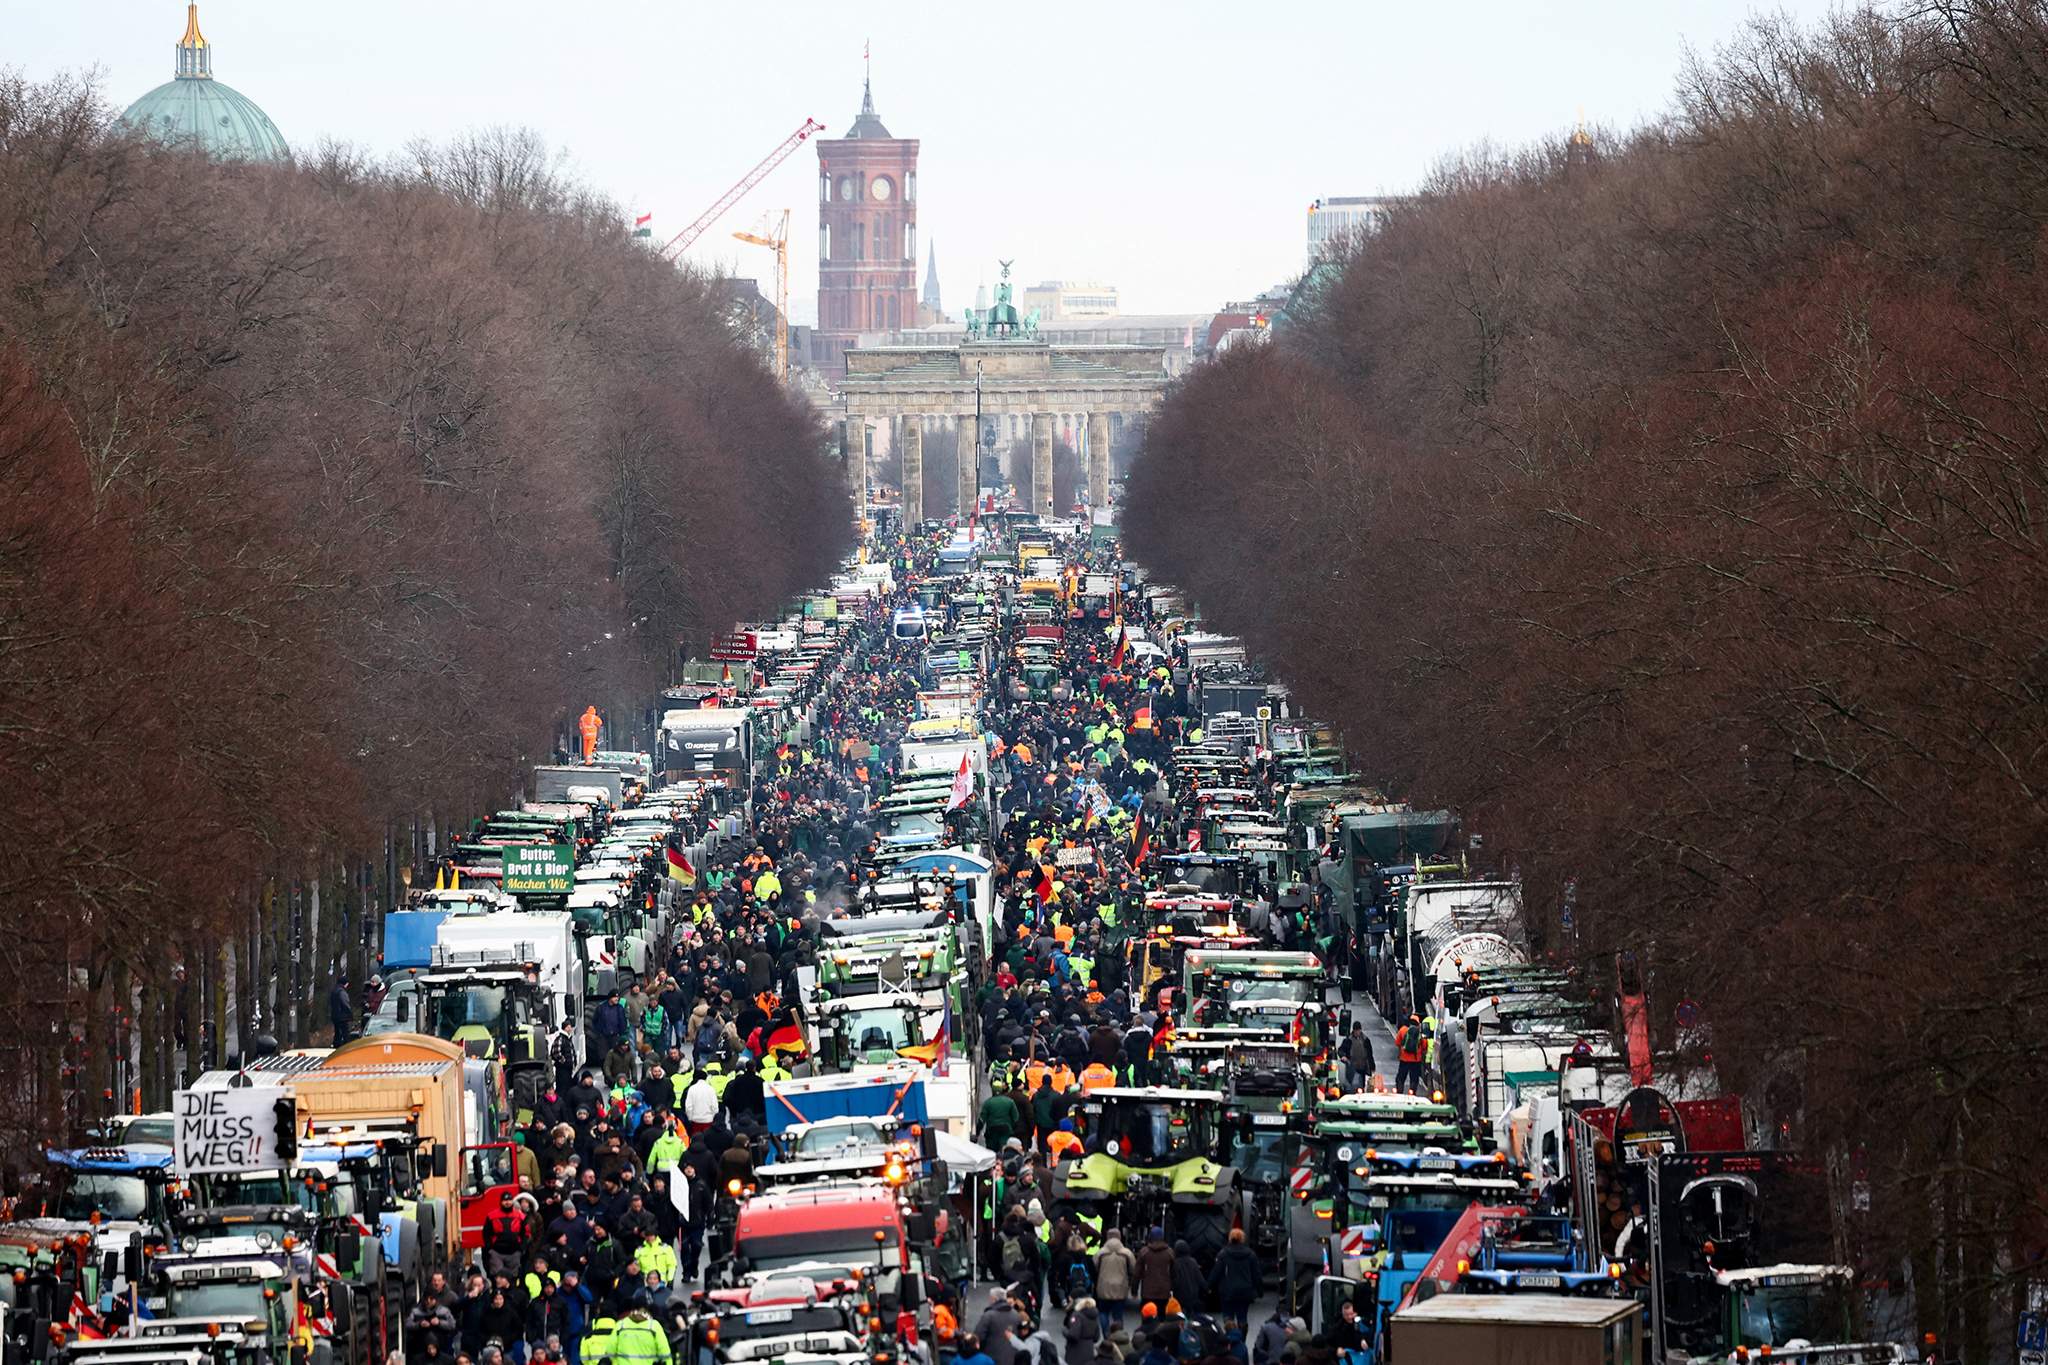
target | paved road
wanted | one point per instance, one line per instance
(1385, 1059)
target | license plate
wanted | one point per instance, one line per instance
(1376, 1201)
(1269, 1120)
(1528, 1281)
(1436, 1163)
(762, 1316)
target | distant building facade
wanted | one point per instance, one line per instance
(867, 235)
(1181, 338)
(1338, 220)
(1057, 299)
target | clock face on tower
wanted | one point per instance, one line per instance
(848, 187)
(881, 188)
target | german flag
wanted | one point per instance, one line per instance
(1141, 839)
(1043, 887)
(786, 1038)
(679, 868)
(939, 1050)
(1123, 643)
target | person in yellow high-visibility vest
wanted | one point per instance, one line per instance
(657, 1257)
(639, 1340)
(596, 1346)
(667, 1152)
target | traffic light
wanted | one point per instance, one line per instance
(285, 1121)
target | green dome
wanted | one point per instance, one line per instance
(194, 107)
(221, 120)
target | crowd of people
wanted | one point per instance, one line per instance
(596, 1254)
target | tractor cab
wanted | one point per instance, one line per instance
(1151, 1158)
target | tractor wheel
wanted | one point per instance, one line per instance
(361, 1328)
(1206, 1229)
(398, 1298)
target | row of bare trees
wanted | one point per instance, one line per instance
(327, 493)
(1672, 503)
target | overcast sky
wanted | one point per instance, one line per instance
(1170, 149)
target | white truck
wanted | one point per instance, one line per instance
(562, 782)
(709, 739)
(501, 984)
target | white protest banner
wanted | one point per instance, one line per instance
(230, 1129)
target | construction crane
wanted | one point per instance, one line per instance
(681, 241)
(776, 238)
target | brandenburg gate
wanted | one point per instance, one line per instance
(1000, 371)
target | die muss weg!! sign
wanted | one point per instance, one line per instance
(228, 1130)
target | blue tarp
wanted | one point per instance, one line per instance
(846, 1101)
(957, 861)
(409, 938)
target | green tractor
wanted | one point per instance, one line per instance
(1347, 1134)
(1151, 1162)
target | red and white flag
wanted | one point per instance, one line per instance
(1194, 841)
(643, 220)
(963, 786)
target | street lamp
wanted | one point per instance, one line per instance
(974, 500)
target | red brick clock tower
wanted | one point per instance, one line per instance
(867, 234)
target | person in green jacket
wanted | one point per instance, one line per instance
(652, 1022)
(1000, 1119)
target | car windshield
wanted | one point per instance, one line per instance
(255, 1187)
(1155, 1132)
(825, 1139)
(109, 1194)
(923, 824)
(1424, 1202)
(890, 1027)
(1285, 990)
(151, 1129)
(783, 1251)
(1423, 1229)
(1262, 1156)
(457, 1007)
(219, 1301)
(1775, 1315)
(1209, 878)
